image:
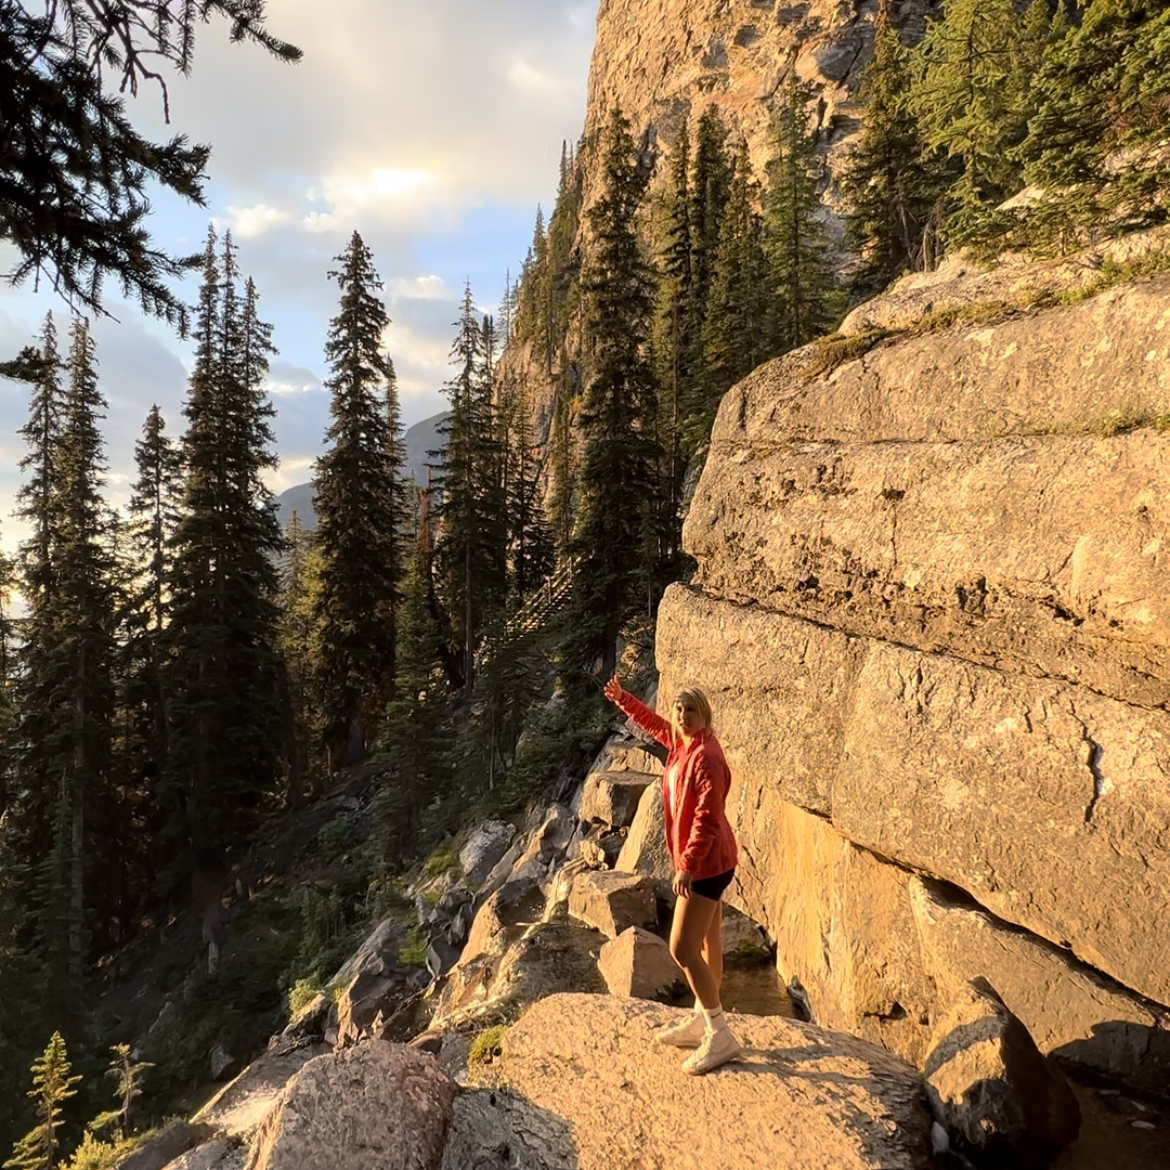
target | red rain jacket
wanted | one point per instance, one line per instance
(700, 839)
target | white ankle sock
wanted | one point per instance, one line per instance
(714, 1018)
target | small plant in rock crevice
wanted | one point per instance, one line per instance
(487, 1045)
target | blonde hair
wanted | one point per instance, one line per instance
(702, 705)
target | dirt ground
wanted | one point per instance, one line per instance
(1110, 1139)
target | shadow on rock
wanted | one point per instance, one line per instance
(495, 1129)
(1137, 1053)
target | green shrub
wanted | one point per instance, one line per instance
(95, 1154)
(414, 950)
(302, 993)
(487, 1045)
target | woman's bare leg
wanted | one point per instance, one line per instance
(688, 941)
(713, 945)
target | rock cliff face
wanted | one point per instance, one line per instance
(665, 61)
(933, 612)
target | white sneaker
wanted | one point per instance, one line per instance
(717, 1048)
(688, 1034)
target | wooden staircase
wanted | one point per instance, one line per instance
(552, 597)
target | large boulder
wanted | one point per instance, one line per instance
(219, 1154)
(620, 755)
(500, 1130)
(949, 768)
(611, 901)
(842, 923)
(175, 1141)
(377, 954)
(1069, 1009)
(989, 1086)
(223, 1064)
(644, 851)
(639, 963)
(545, 959)
(932, 608)
(483, 850)
(239, 1108)
(799, 1096)
(379, 1106)
(366, 999)
(611, 798)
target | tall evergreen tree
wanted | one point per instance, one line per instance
(562, 465)
(887, 181)
(710, 188)
(222, 668)
(53, 1085)
(155, 500)
(965, 101)
(803, 277)
(673, 348)
(33, 814)
(617, 482)
(412, 730)
(86, 606)
(360, 505)
(471, 550)
(296, 642)
(736, 332)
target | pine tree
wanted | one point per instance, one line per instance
(710, 188)
(1097, 142)
(531, 544)
(145, 705)
(127, 1073)
(360, 515)
(674, 311)
(53, 1085)
(889, 187)
(412, 729)
(963, 97)
(8, 702)
(736, 332)
(74, 172)
(471, 549)
(295, 639)
(562, 468)
(33, 816)
(800, 262)
(618, 419)
(85, 606)
(533, 314)
(222, 669)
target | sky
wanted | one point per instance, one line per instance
(434, 128)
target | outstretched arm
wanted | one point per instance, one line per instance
(646, 719)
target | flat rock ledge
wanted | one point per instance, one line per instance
(800, 1097)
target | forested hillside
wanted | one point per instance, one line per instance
(174, 675)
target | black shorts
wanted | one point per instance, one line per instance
(713, 887)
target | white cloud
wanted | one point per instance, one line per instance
(420, 288)
(248, 222)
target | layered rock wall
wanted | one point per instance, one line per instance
(933, 612)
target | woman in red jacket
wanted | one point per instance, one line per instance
(704, 854)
